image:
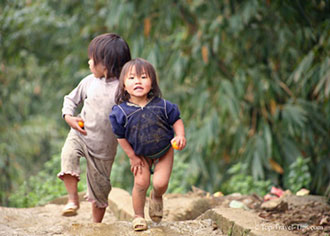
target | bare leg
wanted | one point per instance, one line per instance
(98, 213)
(160, 181)
(71, 185)
(162, 174)
(141, 185)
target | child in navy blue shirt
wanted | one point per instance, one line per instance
(145, 124)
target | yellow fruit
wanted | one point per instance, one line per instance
(175, 145)
(81, 124)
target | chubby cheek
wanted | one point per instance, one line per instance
(126, 84)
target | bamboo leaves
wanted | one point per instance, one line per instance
(251, 77)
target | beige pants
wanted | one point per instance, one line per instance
(98, 171)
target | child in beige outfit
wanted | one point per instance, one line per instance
(95, 141)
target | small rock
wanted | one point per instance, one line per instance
(275, 205)
(218, 194)
(302, 192)
(237, 204)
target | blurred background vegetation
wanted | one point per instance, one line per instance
(252, 79)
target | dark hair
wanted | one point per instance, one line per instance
(141, 66)
(110, 50)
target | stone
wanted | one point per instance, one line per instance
(275, 205)
(302, 192)
(237, 204)
(120, 203)
(241, 222)
(182, 208)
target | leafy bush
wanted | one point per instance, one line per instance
(241, 182)
(250, 77)
(183, 176)
(299, 175)
(121, 175)
(44, 186)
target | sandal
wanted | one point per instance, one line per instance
(139, 224)
(70, 209)
(155, 209)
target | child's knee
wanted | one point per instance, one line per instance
(160, 186)
(141, 186)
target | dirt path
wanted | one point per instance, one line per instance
(47, 220)
(191, 214)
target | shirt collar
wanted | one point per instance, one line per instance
(131, 104)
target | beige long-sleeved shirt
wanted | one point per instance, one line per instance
(98, 96)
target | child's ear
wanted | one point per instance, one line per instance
(105, 71)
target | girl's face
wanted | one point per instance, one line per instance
(136, 86)
(98, 70)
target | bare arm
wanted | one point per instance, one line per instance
(135, 161)
(180, 135)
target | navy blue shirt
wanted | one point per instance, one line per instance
(148, 129)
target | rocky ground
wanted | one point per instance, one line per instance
(194, 213)
(301, 215)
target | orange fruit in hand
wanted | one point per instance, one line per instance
(175, 145)
(81, 124)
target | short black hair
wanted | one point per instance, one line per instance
(141, 66)
(110, 50)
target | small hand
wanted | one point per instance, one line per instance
(179, 142)
(74, 123)
(136, 165)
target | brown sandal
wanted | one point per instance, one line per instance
(155, 209)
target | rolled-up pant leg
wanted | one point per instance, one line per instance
(98, 170)
(98, 180)
(70, 156)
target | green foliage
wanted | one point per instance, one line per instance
(121, 175)
(183, 177)
(299, 175)
(44, 186)
(251, 79)
(241, 182)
